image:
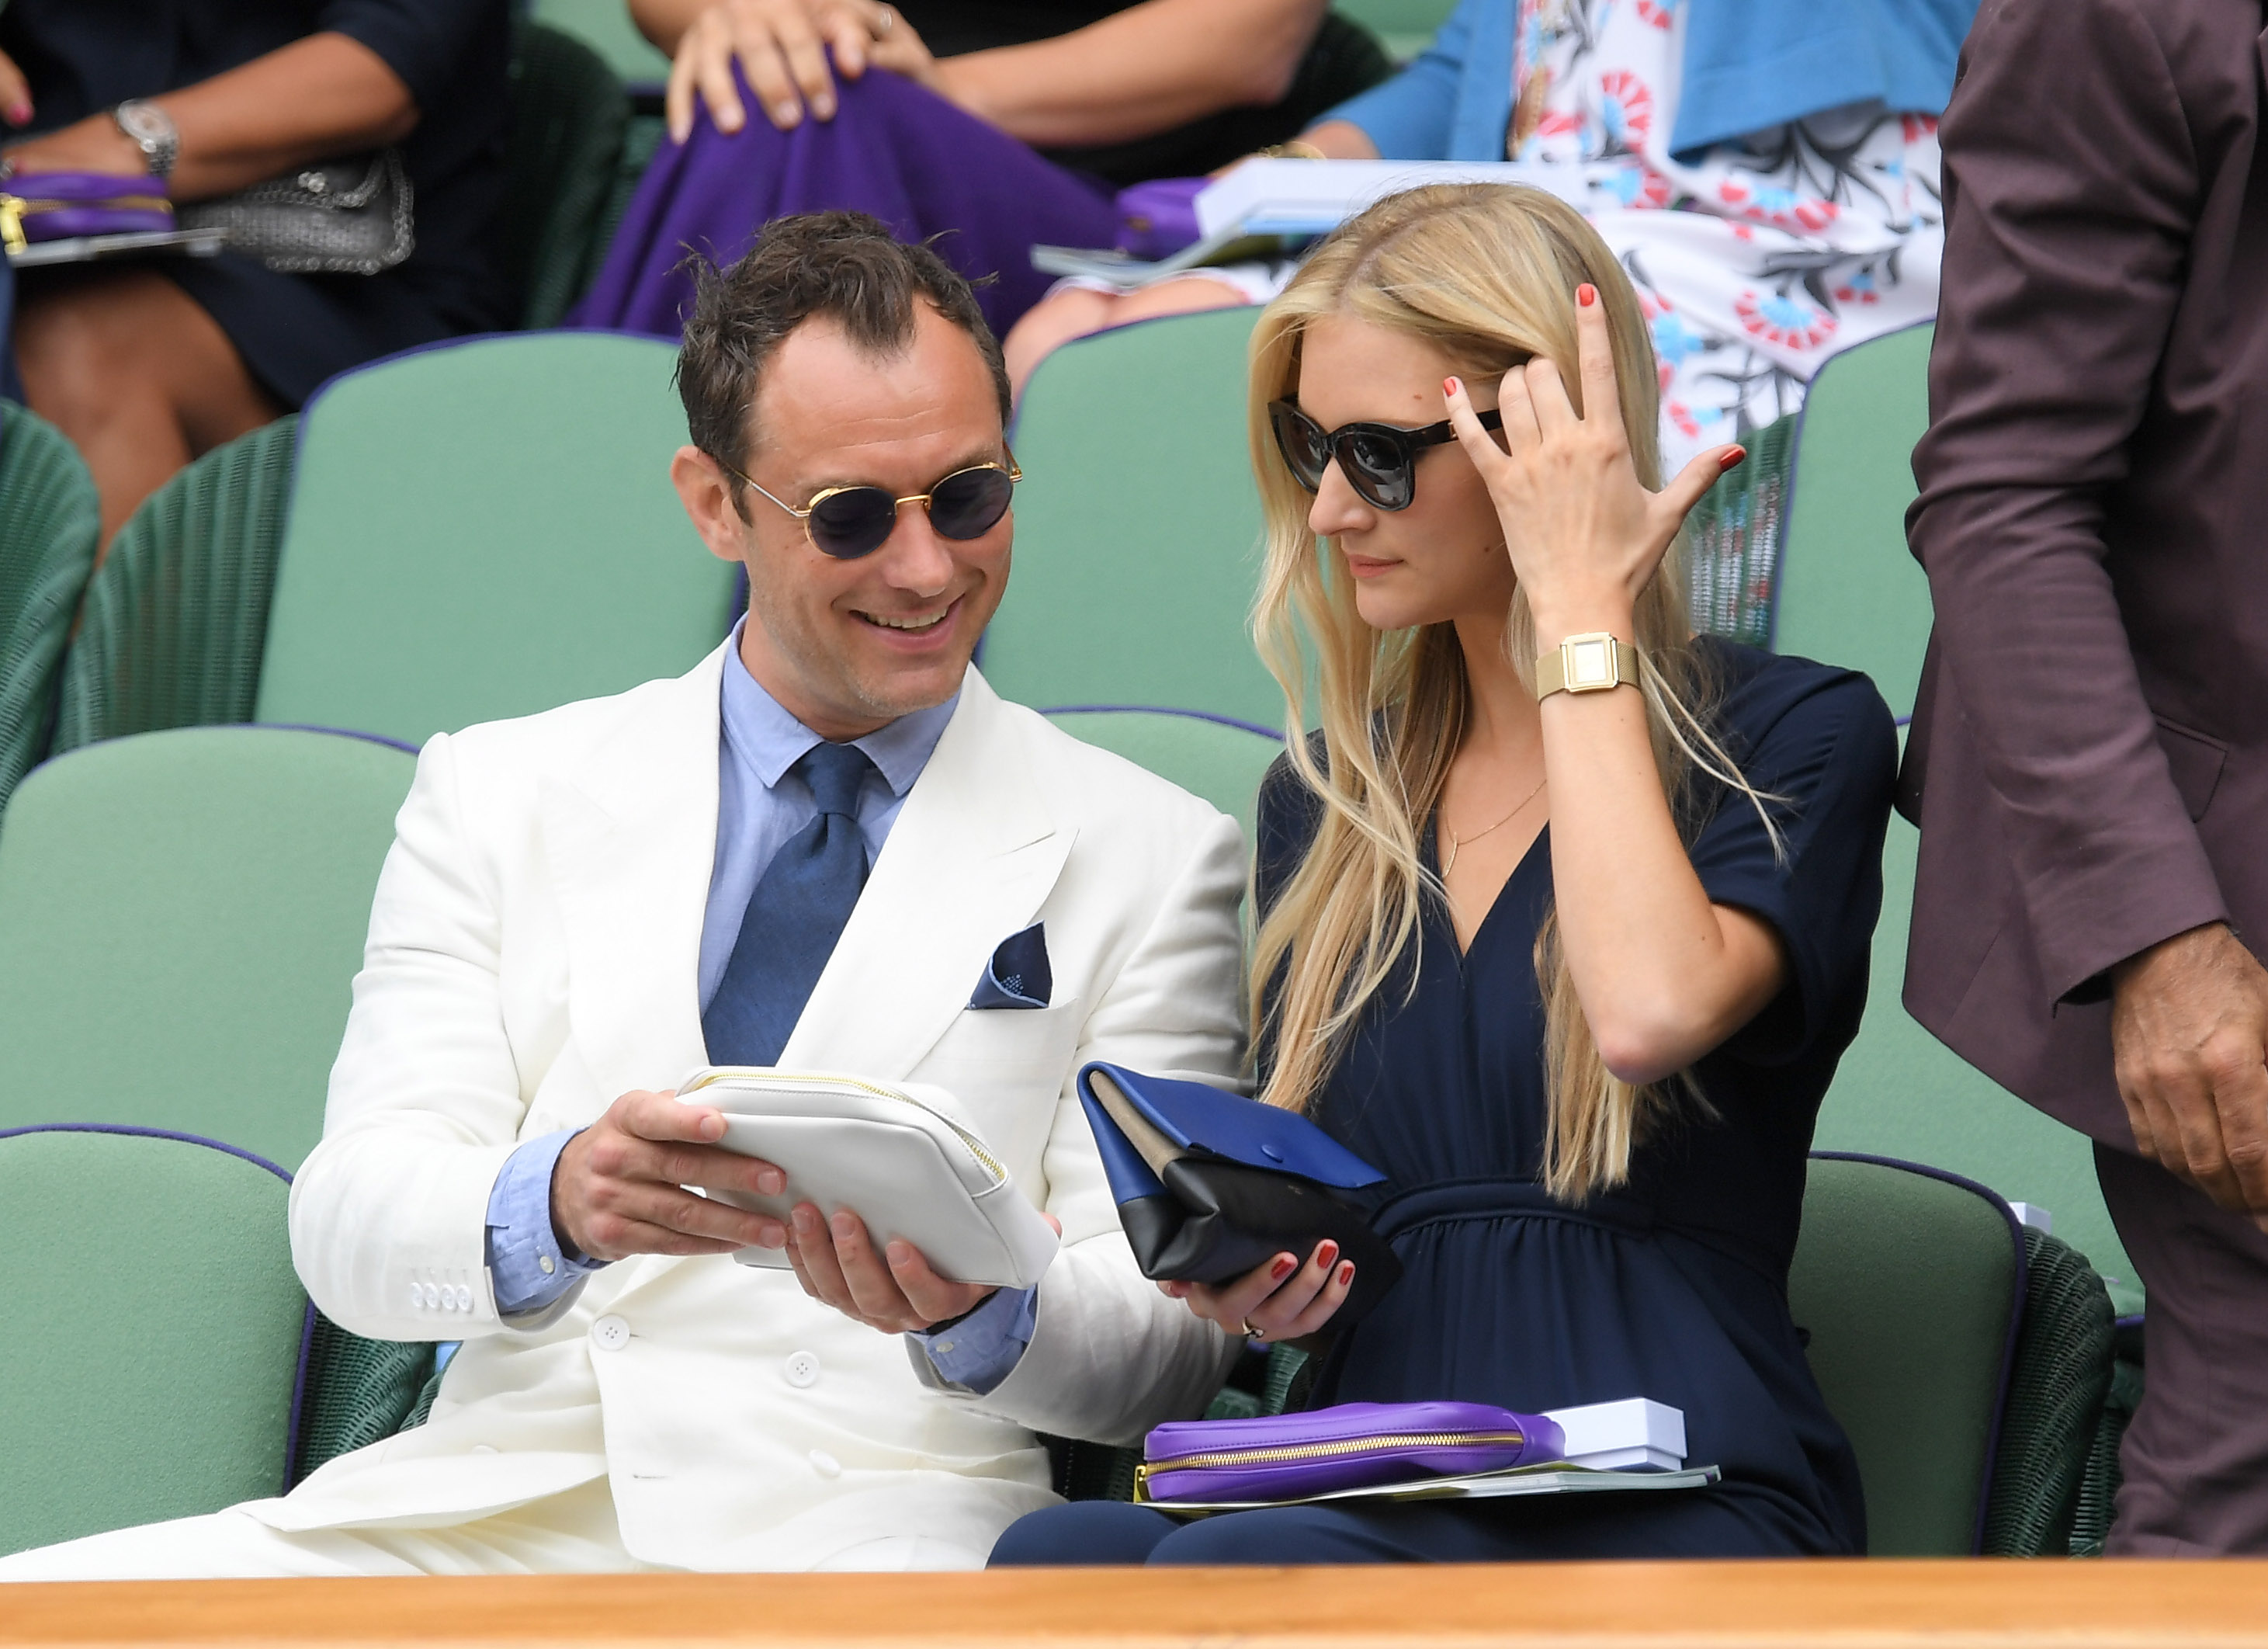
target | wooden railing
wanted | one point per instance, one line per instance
(1817, 1605)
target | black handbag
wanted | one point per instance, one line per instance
(1210, 1184)
(347, 216)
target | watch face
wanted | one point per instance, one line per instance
(1590, 663)
(145, 123)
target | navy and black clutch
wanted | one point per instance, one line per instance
(1210, 1184)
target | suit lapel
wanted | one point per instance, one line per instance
(971, 859)
(630, 832)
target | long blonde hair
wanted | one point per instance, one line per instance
(1486, 274)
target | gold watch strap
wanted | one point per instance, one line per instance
(1596, 661)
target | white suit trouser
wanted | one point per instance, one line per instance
(573, 1532)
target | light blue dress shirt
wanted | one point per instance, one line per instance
(760, 805)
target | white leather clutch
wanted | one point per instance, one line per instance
(899, 1158)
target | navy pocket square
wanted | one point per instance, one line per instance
(1018, 975)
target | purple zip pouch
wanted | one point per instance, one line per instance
(1354, 1445)
(57, 205)
(1159, 217)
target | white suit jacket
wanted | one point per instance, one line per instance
(532, 953)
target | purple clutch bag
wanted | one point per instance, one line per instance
(1354, 1445)
(1158, 219)
(58, 205)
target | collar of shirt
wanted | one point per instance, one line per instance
(768, 741)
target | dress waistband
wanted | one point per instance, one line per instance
(1450, 1200)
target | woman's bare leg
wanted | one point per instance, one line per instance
(138, 376)
(1074, 313)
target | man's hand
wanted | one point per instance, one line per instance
(2189, 1032)
(895, 1291)
(616, 1190)
(782, 47)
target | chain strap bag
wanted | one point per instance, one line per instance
(352, 216)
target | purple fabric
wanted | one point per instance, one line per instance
(1392, 1449)
(898, 151)
(85, 208)
(1158, 219)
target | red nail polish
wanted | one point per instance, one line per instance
(1283, 1267)
(1329, 1252)
(1449, 386)
(1733, 459)
(1346, 1274)
(1587, 294)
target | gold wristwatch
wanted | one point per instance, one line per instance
(1595, 662)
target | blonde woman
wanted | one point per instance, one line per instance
(1569, 949)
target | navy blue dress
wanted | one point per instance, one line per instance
(1674, 1287)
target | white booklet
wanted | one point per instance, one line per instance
(139, 243)
(1518, 1480)
(1267, 208)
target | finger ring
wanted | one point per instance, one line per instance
(1250, 1333)
(889, 18)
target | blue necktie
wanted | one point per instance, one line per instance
(800, 909)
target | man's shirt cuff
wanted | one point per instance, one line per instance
(528, 1266)
(980, 1349)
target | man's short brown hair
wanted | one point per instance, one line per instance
(843, 265)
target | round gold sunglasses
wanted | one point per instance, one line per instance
(850, 521)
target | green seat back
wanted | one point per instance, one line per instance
(2053, 1420)
(488, 529)
(1908, 1286)
(177, 616)
(568, 117)
(137, 1391)
(1403, 25)
(181, 916)
(1138, 527)
(605, 26)
(1848, 590)
(1901, 1093)
(1221, 760)
(48, 524)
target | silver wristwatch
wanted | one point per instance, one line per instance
(154, 132)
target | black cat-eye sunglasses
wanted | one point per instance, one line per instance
(1379, 461)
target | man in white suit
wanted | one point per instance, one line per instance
(828, 846)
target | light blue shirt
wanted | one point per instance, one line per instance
(760, 805)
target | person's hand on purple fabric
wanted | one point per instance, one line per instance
(782, 47)
(2189, 1034)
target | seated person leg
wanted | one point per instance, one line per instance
(138, 376)
(1075, 312)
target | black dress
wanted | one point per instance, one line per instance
(294, 331)
(1673, 1288)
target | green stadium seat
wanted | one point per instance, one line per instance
(488, 529)
(48, 526)
(1848, 591)
(1213, 757)
(181, 915)
(569, 116)
(1138, 527)
(1403, 26)
(1913, 1287)
(137, 1391)
(605, 26)
(177, 615)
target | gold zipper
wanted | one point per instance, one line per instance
(975, 1146)
(1325, 1451)
(15, 208)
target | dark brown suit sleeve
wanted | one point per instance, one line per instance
(2072, 182)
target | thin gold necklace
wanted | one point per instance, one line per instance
(1457, 841)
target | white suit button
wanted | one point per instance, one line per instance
(416, 1297)
(802, 1369)
(610, 1333)
(464, 1297)
(825, 1464)
(432, 1294)
(485, 1448)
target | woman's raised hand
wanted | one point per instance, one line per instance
(1584, 534)
(1279, 1299)
(782, 47)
